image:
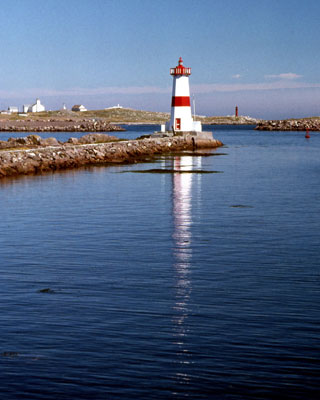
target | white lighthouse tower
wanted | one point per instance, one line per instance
(181, 116)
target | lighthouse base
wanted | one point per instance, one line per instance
(198, 139)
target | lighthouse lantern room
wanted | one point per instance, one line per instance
(181, 117)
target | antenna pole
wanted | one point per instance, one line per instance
(194, 107)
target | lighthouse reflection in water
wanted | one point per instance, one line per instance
(183, 181)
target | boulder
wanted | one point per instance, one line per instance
(51, 141)
(72, 140)
(4, 144)
(97, 138)
(17, 141)
(33, 139)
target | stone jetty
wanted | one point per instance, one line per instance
(35, 141)
(36, 156)
(303, 124)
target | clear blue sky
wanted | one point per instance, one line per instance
(262, 55)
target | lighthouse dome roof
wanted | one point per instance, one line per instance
(180, 69)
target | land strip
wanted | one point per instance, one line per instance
(58, 125)
(303, 124)
(228, 120)
(109, 120)
(68, 155)
(99, 120)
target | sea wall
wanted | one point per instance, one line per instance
(311, 124)
(51, 158)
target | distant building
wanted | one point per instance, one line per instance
(78, 107)
(109, 108)
(37, 107)
(13, 109)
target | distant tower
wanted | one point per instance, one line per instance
(236, 112)
(181, 116)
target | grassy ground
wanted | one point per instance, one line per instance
(121, 115)
(116, 115)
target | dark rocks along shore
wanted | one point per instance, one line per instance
(35, 141)
(311, 124)
(58, 125)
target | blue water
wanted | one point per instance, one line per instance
(166, 285)
(131, 132)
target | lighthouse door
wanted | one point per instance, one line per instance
(178, 124)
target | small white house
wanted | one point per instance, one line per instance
(78, 107)
(13, 109)
(110, 108)
(37, 107)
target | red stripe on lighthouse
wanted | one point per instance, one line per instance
(180, 101)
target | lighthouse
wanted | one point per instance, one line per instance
(181, 117)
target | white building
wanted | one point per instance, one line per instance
(25, 108)
(13, 109)
(181, 118)
(78, 107)
(37, 107)
(110, 108)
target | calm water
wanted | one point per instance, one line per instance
(131, 132)
(128, 283)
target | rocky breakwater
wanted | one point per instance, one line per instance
(58, 125)
(304, 124)
(72, 154)
(229, 120)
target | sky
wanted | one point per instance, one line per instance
(261, 55)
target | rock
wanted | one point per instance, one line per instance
(30, 140)
(51, 141)
(312, 124)
(33, 139)
(3, 144)
(17, 141)
(72, 140)
(97, 138)
(46, 290)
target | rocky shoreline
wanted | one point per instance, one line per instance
(229, 120)
(35, 141)
(39, 158)
(304, 124)
(58, 125)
